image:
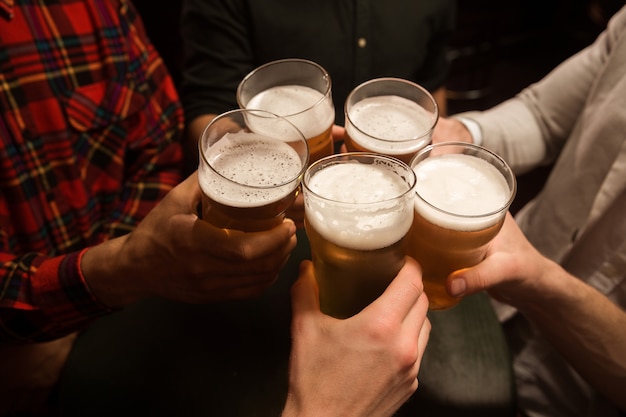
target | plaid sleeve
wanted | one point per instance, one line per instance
(45, 298)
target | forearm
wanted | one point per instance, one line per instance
(511, 131)
(531, 128)
(587, 329)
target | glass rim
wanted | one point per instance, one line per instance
(479, 149)
(347, 155)
(399, 81)
(325, 76)
(271, 115)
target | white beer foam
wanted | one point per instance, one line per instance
(354, 225)
(290, 100)
(393, 119)
(249, 159)
(464, 187)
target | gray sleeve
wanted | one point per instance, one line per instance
(531, 128)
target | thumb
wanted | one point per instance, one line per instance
(304, 292)
(474, 279)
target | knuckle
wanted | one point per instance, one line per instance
(407, 356)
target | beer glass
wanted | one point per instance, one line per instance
(358, 212)
(298, 90)
(463, 192)
(251, 164)
(390, 116)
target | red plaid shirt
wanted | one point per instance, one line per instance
(89, 130)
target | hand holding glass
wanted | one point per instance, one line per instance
(358, 210)
(463, 192)
(251, 163)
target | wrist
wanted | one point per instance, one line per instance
(550, 287)
(108, 273)
(473, 129)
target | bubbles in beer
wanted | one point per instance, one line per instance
(292, 100)
(468, 191)
(393, 119)
(379, 222)
(247, 168)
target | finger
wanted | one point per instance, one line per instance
(338, 133)
(417, 315)
(402, 293)
(266, 266)
(188, 192)
(236, 245)
(278, 241)
(230, 288)
(304, 292)
(254, 287)
(477, 278)
(298, 202)
(497, 265)
(422, 342)
(415, 321)
(269, 266)
(296, 211)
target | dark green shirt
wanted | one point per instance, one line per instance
(354, 40)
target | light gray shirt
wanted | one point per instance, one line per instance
(576, 118)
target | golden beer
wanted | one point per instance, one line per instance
(461, 201)
(350, 279)
(441, 251)
(390, 116)
(298, 90)
(321, 145)
(358, 211)
(248, 179)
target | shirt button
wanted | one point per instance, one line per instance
(362, 42)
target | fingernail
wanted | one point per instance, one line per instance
(458, 287)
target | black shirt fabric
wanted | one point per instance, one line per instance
(354, 40)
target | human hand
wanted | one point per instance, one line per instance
(175, 255)
(451, 130)
(512, 271)
(296, 211)
(365, 365)
(339, 133)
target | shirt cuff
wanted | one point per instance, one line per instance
(63, 293)
(474, 129)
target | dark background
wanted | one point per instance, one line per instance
(498, 48)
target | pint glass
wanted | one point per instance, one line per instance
(463, 192)
(298, 90)
(358, 211)
(251, 164)
(390, 116)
